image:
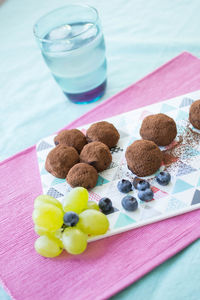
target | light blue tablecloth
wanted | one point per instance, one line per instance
(140, 35)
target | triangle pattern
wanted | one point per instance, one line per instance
(120, 172)
(182, 115)
(192, 178)
(198, 184)
(184, 169)
(180, 129)
(144, 114)
(175, 204)
(43, 145)
(166, 108)
(189, 152)
(196, 198)
(44, 172)
(123, 134)
(132, 140)
(54, 193)
(181, 186)
(158, 194)
(57, 181)
(123, 220)
(149, 212)
(94, 196)
(40, 160)
(186, 102)
(101, 181)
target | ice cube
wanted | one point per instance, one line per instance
(59, 46)
(90, 31)
(59, 33)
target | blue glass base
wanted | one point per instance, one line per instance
(89, 96)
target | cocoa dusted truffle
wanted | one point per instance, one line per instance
(60, 160)
(104, 132)
(73, 138)
(158, 128)
(194, 115)
(97, 155)
(82, 175)
(143, 157)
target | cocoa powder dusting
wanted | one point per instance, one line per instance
(183, 150)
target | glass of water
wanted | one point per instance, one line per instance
(73, 47)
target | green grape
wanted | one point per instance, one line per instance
(48, 216)
(74, 240)
(42, 231)
(93, 222)
(40, 200)
(92, 205)
(48, 246)
(76, 200)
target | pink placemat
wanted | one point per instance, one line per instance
(108, 265)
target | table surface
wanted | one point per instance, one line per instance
(140, 36)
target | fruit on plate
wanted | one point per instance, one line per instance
(105, 204)
(76, 200)
(129, 203)
(48, 216)
(67, 226)
(146, 195)
(48, 246)
(93, 222)
(163, 178)
(42, 199)
(143, 185)
(70, 218)
(124, 186)
(74, 240)
(92, 205)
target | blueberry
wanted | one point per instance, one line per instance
(146, 195)
(135, 181)
(70, 218)
(105, 204)
(124, 186)
(143, 185)
(163, 178)
(129, 203)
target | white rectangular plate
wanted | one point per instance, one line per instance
(180, 196)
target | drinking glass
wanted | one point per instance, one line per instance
(72, 45)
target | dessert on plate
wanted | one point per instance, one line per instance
(194, 114)
(73, 138)
(60, 160)
(158, 128)
(83, 175)
(143, 157)
(96, 154)
(104, 132)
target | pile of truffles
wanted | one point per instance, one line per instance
(79, 158)
(144, 157)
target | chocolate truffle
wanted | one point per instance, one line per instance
(60, 160)
(82, 175)
(158, 128)
(97, 155)
(143, 157)
(194, 115)
(73, 138)
(104, 132)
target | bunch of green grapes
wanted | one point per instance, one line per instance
(66, 226)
